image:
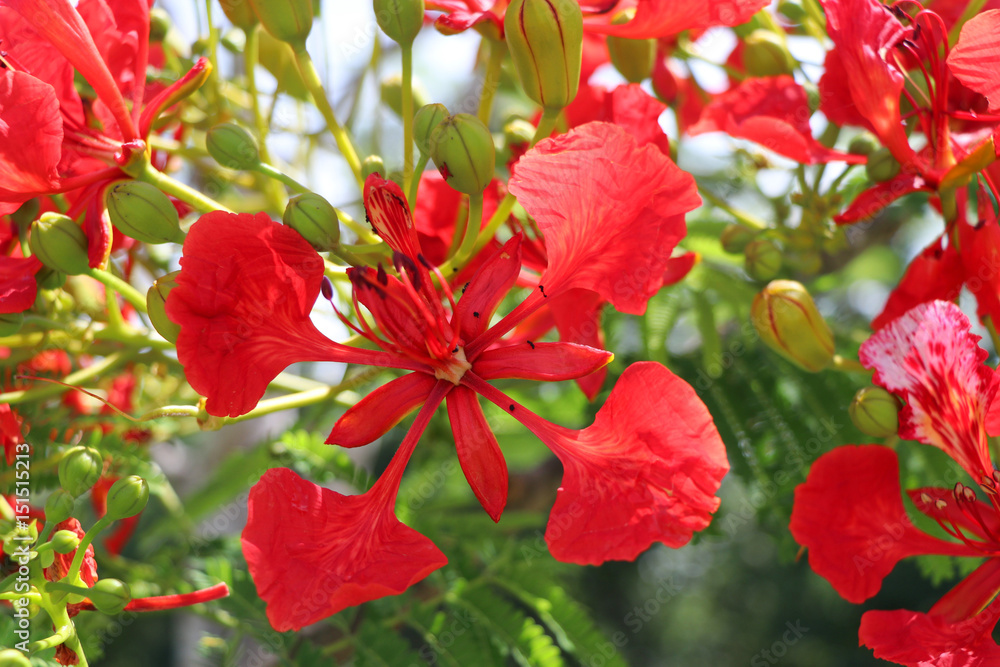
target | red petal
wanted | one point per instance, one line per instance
(487, 289)
(389, 215)
(936, 273)
(31, 135)
(849, 514)
(627, 106)
(880, 195)
(577, 316)
(313, 552)
(940, 505)
(980, 250)
(662, 18)
(975, 60)
(678, 267)
(380, 410)
(478, 451)
(546, 362)
(611, 212)
(774, 112)
(930, 358)
(17, 283)
(246, 287)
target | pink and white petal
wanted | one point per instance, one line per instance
(383, 408)
(932, 360)
(478, 451)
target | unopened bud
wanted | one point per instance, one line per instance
(110, 596)
(287, 20)
(239, 13)
(881, 165)
(734, 238)
(233, 147)
(787, 320)
(58, 506)
(400, 20)
(141, 211)
(808, 261)
(11, 657)
(518, 132)
(463, 151)
(373, 164)
(427, 118)
(315, 219)
(65, 541)
(863, 144)
(50, 278)
(762, 259)
(545, 38)
(156, 306)
(765, 54)
(127, 497)
(875, 412)
(633, 58)
(392, 94)
(79, 469)
(10, 323)
(59, 243)
(159, 24)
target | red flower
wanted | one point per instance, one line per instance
(850, 514)
(652, 452)
(10, 432)
(662, 18)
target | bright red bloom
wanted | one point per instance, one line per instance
(10, 432)
(662, 18)
(850, 515)
(244, 316)
(774, 112)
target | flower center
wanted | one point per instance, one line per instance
(454, 368)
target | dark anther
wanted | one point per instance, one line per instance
(475, 313)
(531, 344)
(465, 287)
(916, 32)
(423, 261)
(326, 287)
(381, 276)
(455, 351)
(512, 407)
(541, 288)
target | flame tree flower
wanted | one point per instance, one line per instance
(850, 513)
(645, 471)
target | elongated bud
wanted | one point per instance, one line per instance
(156, 306)
(287, 20)
(373, 164)
(110, 596)
(787, 320)
(127, 497)
(881, 165)
(633, 58)
(233, 147)
(141, 211)
(400, 20)
(762, 259)
(463, 151)
(59, 243)
(11, 657)
(58, 506)
(425, 122)
(734, 238)
(545, 38)
(239, 13)
(10, 323)
(79, 470)
(65, 541)
(315, 219)
(766, 55)
(875, 412)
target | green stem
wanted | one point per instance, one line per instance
(844, 364)
(406, 50)
(311, 78)
(472, 227)
(491, 82)
(179, 190)
(363, 233)
(745, 219)
(546, 124)
(170, 411)
(73, 379)
(251, 54)
(116, 284)
(60, 637)
(304, 398)
(411, 192)
(74, 568)
(277, 175)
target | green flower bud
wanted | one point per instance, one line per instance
(59, 243)
(734, 238)
(315, 219)
(545, 38)
(11, 657)
(881, 165)
(141, 211)
(65, 541)
(233, 147)
(787, 320)
(79, 470)
(875, 412)
(762, 259)
(427, 118)
(240, 13)
(518, 131)
(765, 54)
(127, 497)
(392, 94)
(863, 144)
(10, 323)
(808, 262)
(287, 20)
(159, 24)
(59, 506)
(462, 149)
(156, 306)
(110, 596)
(49, 278)
(372, 164)
(791, 11)
(633, 58)
(401, 20)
